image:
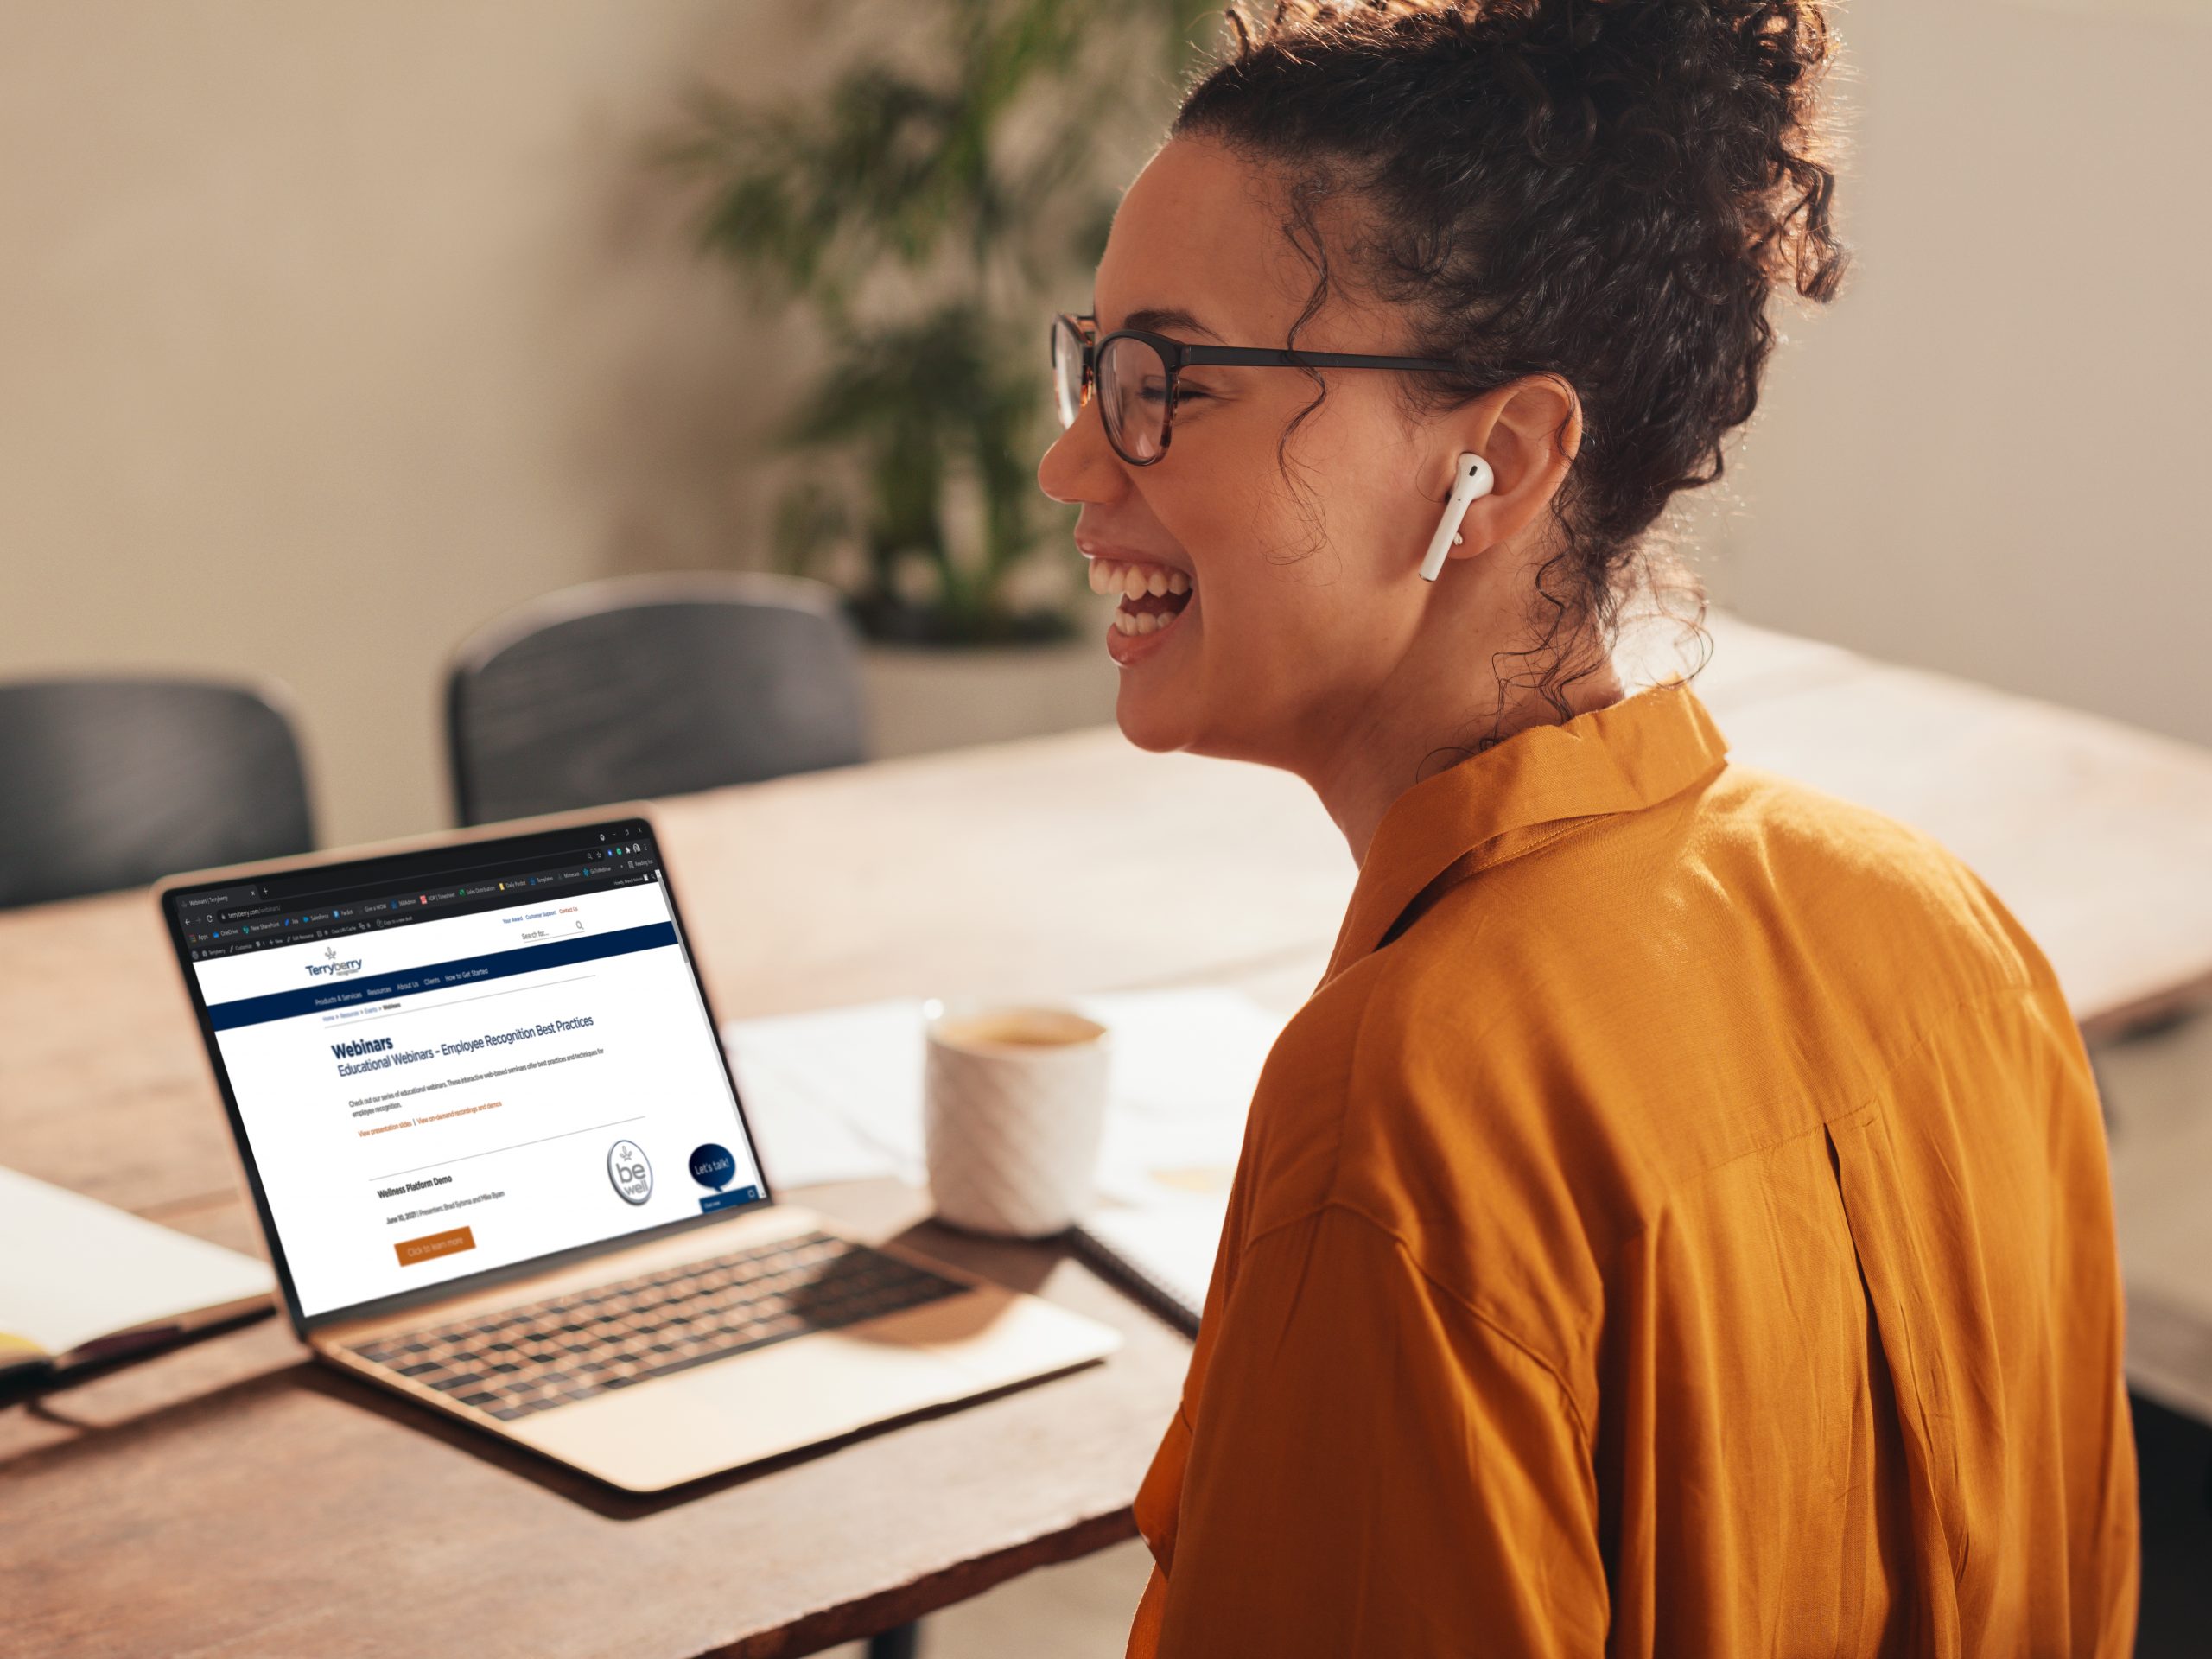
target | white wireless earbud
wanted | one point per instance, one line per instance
(1470, 480)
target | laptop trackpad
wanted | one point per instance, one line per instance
(729, 1412)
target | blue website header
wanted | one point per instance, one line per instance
(438, 977)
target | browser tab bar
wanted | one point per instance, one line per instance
(219, 899)
(314, 907)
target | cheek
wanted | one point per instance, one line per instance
(1287, 570)
(1224, 521)
(1308, 612)
(1240, 511)
(1300, 626)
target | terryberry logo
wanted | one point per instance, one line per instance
(331, 968)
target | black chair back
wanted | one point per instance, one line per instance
(113, 783)
(652, 685)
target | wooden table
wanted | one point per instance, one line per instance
(231, 1496)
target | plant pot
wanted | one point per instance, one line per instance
(922, 698)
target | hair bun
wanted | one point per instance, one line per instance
(1724, 91)
(1715, 96)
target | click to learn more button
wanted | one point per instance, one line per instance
(412, 1250)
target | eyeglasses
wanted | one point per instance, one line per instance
(1136, 375)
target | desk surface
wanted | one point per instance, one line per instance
(232, 1496)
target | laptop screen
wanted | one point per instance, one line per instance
(441, 1065)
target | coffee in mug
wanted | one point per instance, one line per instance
(1014, 1107)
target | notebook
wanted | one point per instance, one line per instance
(82, 1281)
(1162, 1253)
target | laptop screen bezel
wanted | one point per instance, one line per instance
(482, 847)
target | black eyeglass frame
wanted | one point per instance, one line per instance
(1178, 355)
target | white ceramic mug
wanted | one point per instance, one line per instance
(1014, 1105)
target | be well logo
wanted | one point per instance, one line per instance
(630, 1171)
(331, 968)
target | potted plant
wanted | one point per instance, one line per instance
(926, 214)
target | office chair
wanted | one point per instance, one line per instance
(112, 783)
(651, 685)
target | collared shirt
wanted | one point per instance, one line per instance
(1689, 1234)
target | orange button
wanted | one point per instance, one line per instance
(412, 1250)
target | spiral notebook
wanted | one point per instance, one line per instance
(1162, 1253)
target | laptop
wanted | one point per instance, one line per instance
(502, 1168)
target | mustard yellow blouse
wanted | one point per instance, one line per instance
(1690, 1235)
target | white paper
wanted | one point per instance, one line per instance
(835, 1095)
(1185, 1063)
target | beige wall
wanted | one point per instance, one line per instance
(328, 331)
(1991, 456)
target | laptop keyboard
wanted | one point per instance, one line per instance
(545, 1354)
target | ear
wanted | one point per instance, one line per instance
(1529, 431)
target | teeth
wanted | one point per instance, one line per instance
(1142, 622)
(1133, 581)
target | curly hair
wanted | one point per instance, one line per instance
(1603, 190)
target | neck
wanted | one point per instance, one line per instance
(1430, 713)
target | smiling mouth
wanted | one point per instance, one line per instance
(1153, 596)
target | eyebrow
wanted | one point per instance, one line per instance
(1163, 320)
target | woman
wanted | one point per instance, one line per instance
(1678, 1222)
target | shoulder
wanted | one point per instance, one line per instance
(1754, 864)
(1751, 883)
(1890, 887)
(1384, 1101)
(1753, 935)
(1370, 1111)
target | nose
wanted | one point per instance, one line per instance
(1080, 468)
